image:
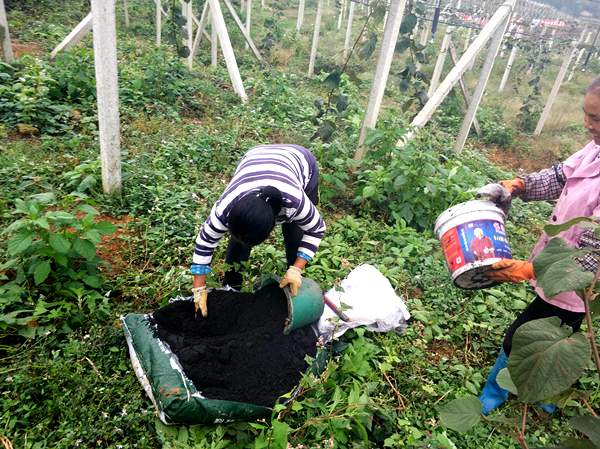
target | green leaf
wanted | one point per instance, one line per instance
(369, 191)
(93, 281)
(59, 243)
(461, 414)
(105, 227)
(87, 209)
(183, 52)
(85, 248)
(595, 308)
(589, 426)
(325, 131)
(41, 272)
(546, 358)
(280, 434)
(59, 215)
(553, 230)
(332, 81)
(557, 271)
(505, 381)
(19, 242)
(42, 222)
(408, 23)
(575, 443)
(44, 198)
(369, 47)
(402, 45)
(404, 85)
(341, 103)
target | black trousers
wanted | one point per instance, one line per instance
(541, 309)
(238, 252)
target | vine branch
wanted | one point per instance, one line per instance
(521, 434)
(587, 296)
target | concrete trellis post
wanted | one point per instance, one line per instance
(158, 22)
(242, 28)
(78, 33)
(315, 39)
(234, 73)
(214, 44)
(576, 63)
(201, 30)
(248, 18)
(509, 64)
(488, 64)
(5, 31)
(439, 63)
(341, 15)
(551, 39)
(467, 39)
(554, 92)
(300, 18)
(384, 61)
(107, 87)
(126, 12)
(189, 14)
(424, 33)
(349, 30)
(463, 87)
(497, 20)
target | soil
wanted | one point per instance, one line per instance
(238, 352)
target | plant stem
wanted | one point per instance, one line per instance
(587, 296)
(343, 69)
(589, 407)
(521, 434)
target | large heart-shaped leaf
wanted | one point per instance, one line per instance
(461, 414)
(557, 271)
(546, 358)
(589, 426)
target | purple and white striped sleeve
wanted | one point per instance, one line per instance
(309, 220)
(546, 184)
(208, 238)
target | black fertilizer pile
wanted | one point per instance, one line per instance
(238, 352)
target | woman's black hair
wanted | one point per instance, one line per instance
(252, 219)
(594, 87)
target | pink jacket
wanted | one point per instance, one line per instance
(580, 197)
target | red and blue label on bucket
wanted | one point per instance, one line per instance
(475, 241)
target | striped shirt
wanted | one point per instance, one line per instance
(289, 168)
(548, 184)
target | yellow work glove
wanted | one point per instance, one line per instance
(200, 299)
(515, 186)
(510, 270)
(293, 278)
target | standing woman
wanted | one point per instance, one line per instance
(272, 184)
(575, 183)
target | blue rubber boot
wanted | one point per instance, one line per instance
(548, 408)
(493, 396)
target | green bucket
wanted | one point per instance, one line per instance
(304, 308)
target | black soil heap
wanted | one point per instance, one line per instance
(238, 352)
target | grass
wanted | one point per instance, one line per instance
(181, 137)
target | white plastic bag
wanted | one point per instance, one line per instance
(368, 299)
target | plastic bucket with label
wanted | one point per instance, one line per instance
(473, 237)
